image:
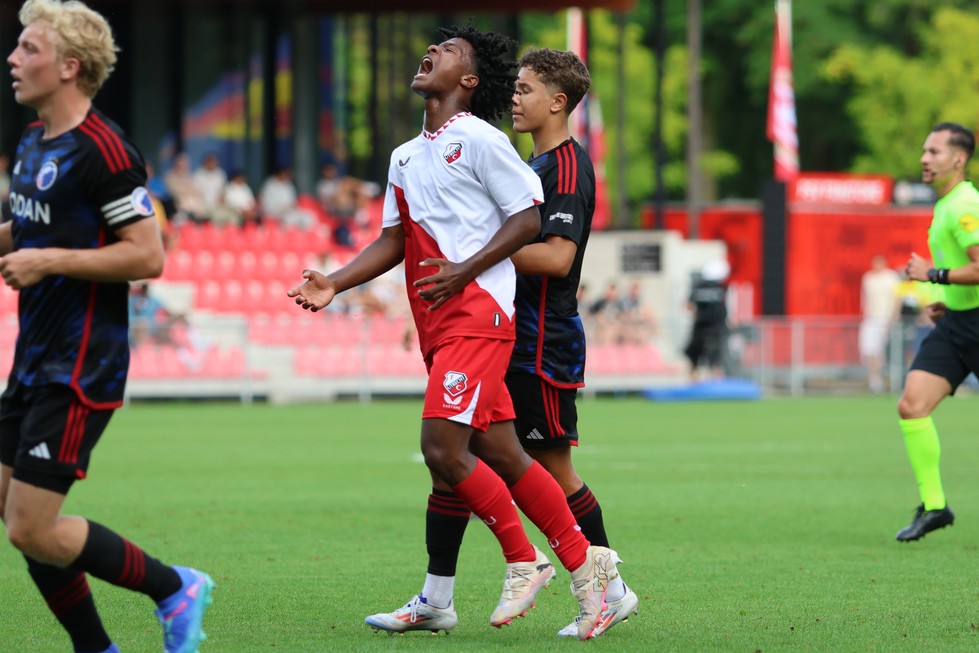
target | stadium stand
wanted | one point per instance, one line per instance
(230, 284)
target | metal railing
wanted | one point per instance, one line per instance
(322, 357)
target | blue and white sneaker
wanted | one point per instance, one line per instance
(182, 614)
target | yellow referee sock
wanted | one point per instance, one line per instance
(925, 452)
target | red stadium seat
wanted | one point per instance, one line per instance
(208, 294)
(203, 264)
(246, 264)
(225, 265)
(189, 237)
(8, 300)
(179, 266)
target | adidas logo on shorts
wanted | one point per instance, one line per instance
(40, 451)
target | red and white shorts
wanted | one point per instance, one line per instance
(465, 382)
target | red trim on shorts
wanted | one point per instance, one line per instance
(552, 410)
(71, 440)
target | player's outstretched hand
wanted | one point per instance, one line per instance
(449, 279)
(316, 293)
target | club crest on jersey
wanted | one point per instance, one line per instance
(452, 152)
(141, 202)
(47, 176)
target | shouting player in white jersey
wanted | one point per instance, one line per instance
(459, 202)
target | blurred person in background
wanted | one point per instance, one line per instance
(4, 177)
(914, 296)
(707, 346)
(211, 180)
(879, 307)
(240, 199)
(188, 202)
(279, 201)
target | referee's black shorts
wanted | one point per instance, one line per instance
(547, 417)
(951, 350)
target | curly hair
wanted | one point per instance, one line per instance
(494, 65)
(81, 33)
(561, 69)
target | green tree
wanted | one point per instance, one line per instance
(895, 99)
(638, 96)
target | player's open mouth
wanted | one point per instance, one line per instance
(425, 66)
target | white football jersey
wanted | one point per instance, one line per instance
(452, 190)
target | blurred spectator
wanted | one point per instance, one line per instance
(708, 338)
(344, 198)
(915, 323)
(158, 189)
(636, 320)
(211, 180)
(238, 197)
(880, 307)
(4, 177)
(583, 310)
(192, 346)
(328, 187)
(604, 313)
(160, 207)
(384, 296)
(149, 320)
(187, 199)
(279, 200)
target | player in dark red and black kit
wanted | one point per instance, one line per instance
(81, 227)
(548, 362)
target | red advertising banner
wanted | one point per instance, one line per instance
(841, 188)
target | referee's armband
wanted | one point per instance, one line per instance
(939, 276)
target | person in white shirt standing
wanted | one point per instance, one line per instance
(459, 202)
(879, 305)
(211, 180)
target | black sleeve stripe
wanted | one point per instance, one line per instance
(110, 145)
(567, 170)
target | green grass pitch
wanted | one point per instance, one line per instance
(761, 526)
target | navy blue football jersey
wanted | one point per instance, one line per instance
(550, 337)
(74, 191)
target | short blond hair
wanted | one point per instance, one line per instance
(82, 34)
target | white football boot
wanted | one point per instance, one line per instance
(416, 614)
(523, 581)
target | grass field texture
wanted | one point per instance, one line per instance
(762, 526)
